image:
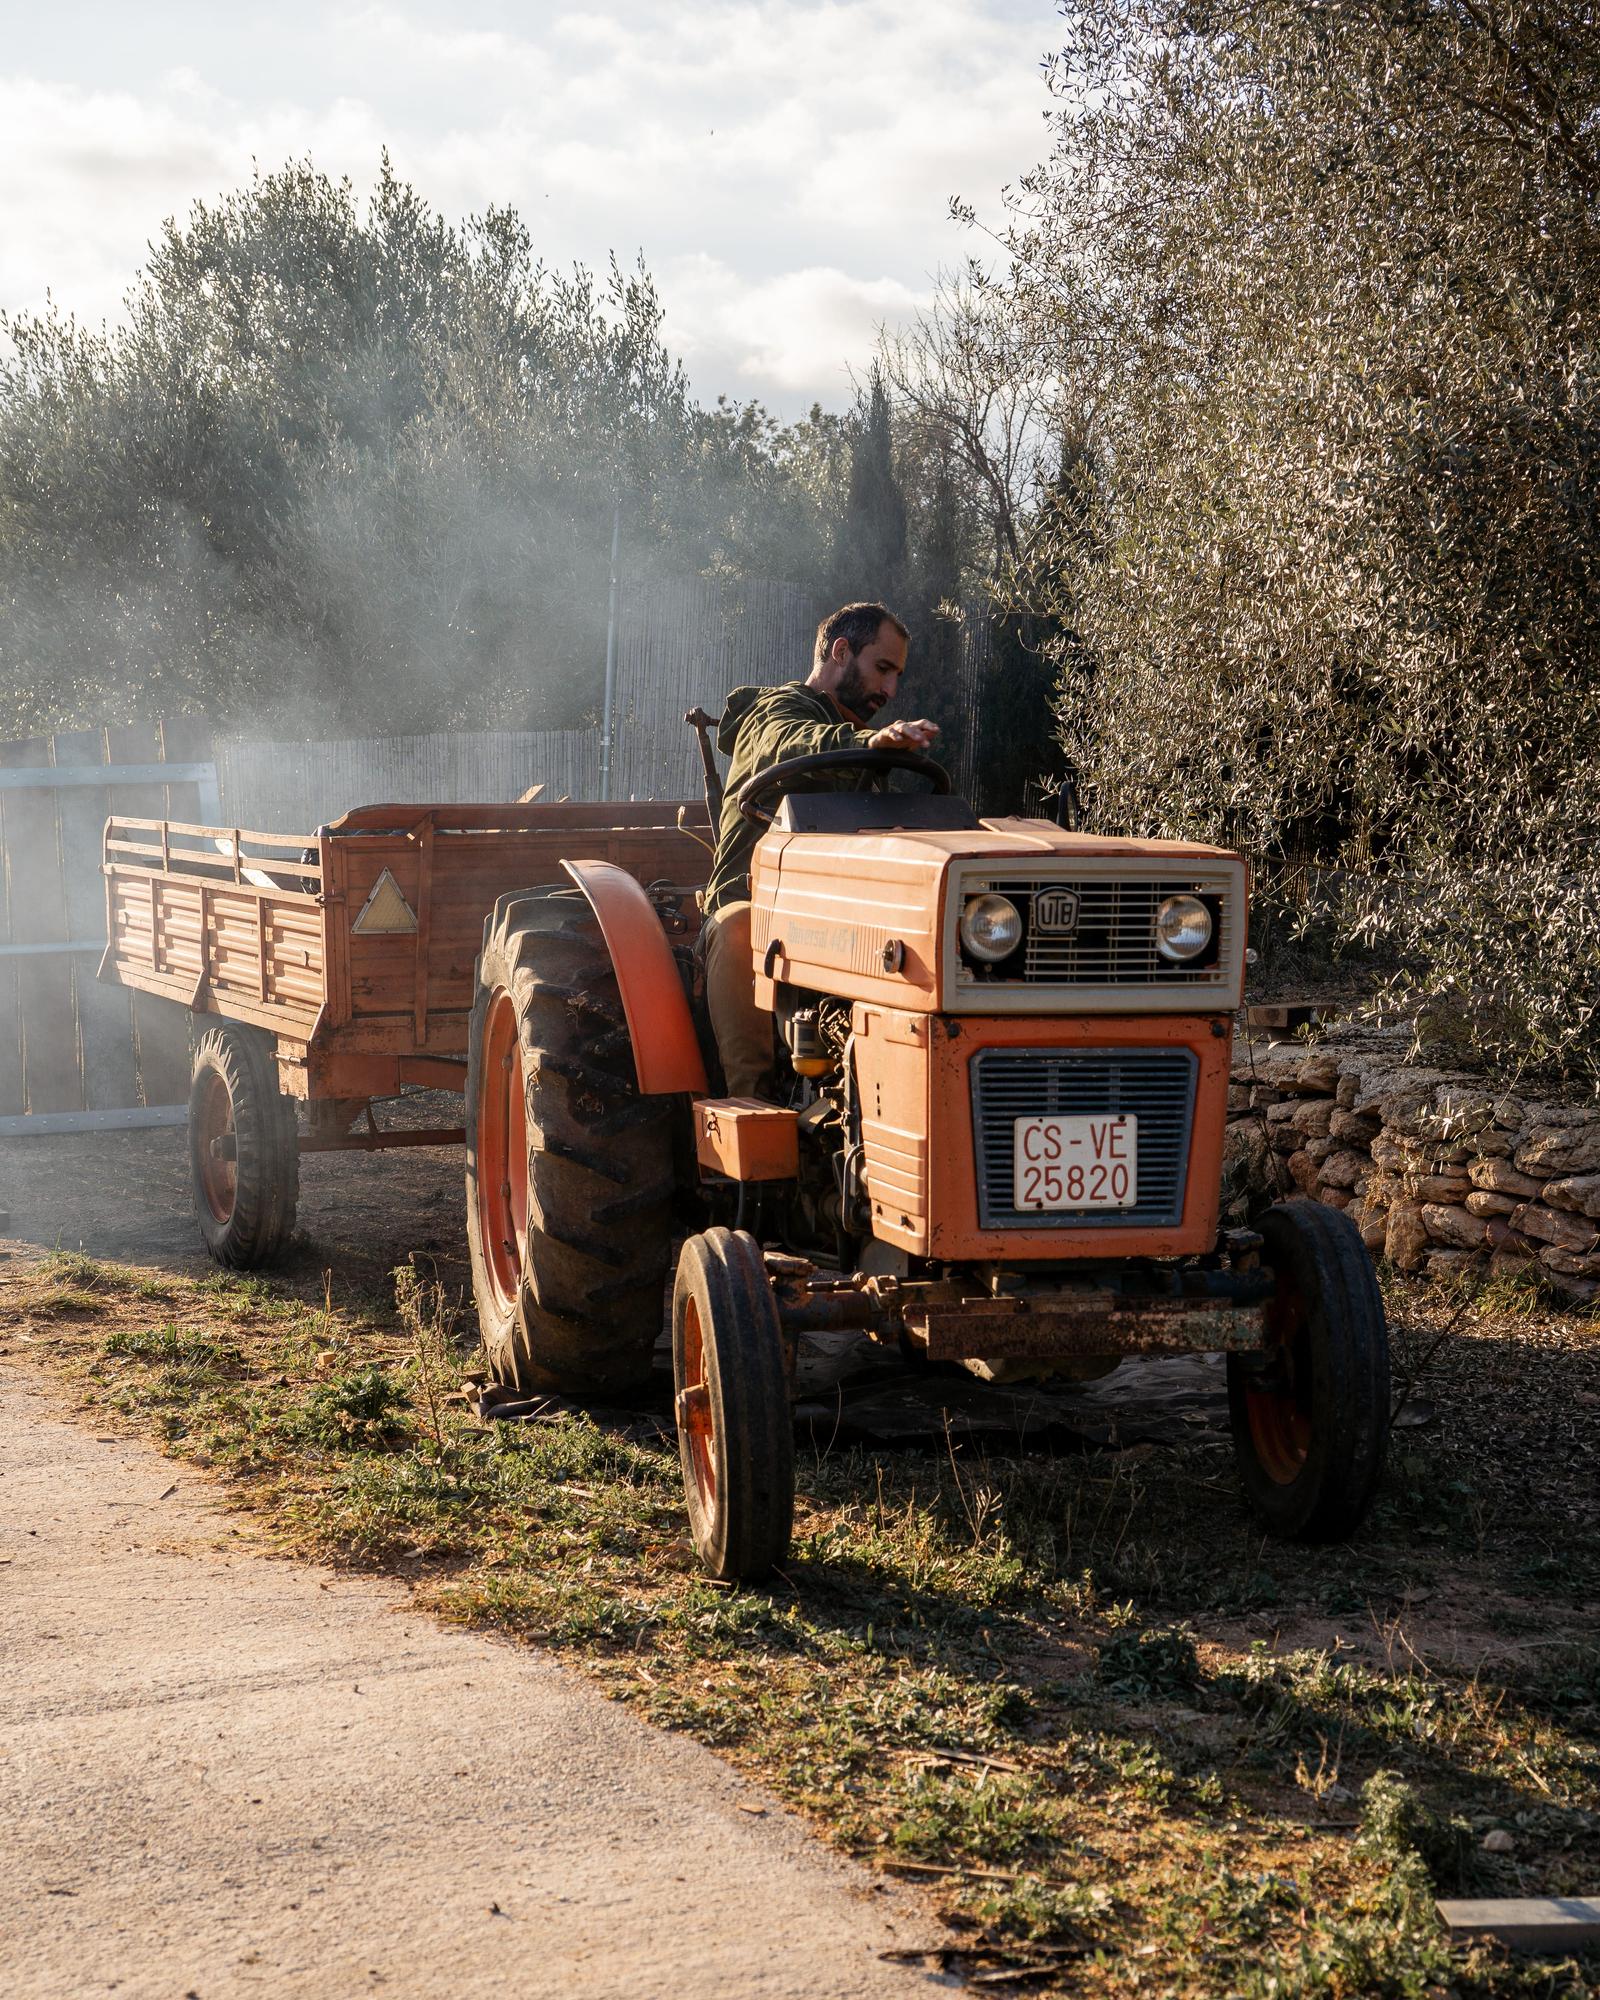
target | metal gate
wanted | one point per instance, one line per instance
(76, 1055)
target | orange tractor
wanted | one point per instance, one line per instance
(1002, 1052)
(1003, 1056)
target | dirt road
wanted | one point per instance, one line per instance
(225, 1774)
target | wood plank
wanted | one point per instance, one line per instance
(52, 1076)
(278, 1019)
(1550, 1925)
(105, 1012)
(161, 1026)
(424, 933)
(140, 863)
(197, 829)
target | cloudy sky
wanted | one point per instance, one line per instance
(784, 165)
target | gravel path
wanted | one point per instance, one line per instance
(225, 1774)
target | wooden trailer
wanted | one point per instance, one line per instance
(330, 970)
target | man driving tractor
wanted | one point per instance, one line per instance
(858, 662)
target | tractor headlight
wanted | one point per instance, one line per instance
(991, 928)
(1183, 928)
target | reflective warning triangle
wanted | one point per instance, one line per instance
(385, 910)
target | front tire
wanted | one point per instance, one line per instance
(735, 1423)
(244, 1147)
(569, 1169)
(1310, 1419)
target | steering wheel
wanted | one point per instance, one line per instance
(781, 777)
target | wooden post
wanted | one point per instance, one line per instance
(202, 984)
(424, 933)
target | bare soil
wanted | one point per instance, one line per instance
(126, 1195)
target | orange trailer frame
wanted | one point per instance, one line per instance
(267, 929)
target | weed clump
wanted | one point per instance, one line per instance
(74, 1285)
(167, 1346)
(71, 1267)
(1159, 1665)
(364, 1410)
(1395, 1824)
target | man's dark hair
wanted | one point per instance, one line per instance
(858, 625)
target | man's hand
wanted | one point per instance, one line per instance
(919, 735)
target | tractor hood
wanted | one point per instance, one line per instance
(1030, 839)
(873, 915)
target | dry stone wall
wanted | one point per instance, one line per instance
(1440, 1172)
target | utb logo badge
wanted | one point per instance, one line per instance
(1056, 911)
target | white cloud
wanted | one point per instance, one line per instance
(784, 165)
(799, 333)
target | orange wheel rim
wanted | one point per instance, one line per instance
(502, 1152)
(1280, 1418)
(219, 1178)
(695, 1421)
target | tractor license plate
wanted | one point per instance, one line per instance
(1076, 1162)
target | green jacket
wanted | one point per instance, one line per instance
(761, 727)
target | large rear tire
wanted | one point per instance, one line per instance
(735, 1421)
(569, 1169)
(1310, 1419)
(244, 1148)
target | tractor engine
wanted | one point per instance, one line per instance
(829, 1212)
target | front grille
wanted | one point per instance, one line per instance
(1156, 1085)
(1113, 942)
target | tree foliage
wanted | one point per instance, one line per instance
(1323, 278)
(344, 464)
(870, 561)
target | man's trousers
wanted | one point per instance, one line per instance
(743, 1030)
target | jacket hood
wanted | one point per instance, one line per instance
(738, 706)
(743, 699)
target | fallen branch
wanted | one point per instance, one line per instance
(931, 1756)
(980, 1874)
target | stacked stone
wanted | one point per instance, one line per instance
(1438, 1173)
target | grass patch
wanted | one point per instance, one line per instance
(66, 1284)
(1132, 1746)
(170, 1346)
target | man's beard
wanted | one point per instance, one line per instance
(852, 693)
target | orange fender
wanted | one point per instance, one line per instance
(666, 1050)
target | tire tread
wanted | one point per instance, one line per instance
(1331, 1496)
(267, 1163)
(589, 1310)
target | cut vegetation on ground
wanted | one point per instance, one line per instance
(1130, 1745)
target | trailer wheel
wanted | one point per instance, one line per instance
(1310, 1420)
(735, 1428)
(244, 1150)
(569, 1169)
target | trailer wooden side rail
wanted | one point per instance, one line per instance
(354, 948)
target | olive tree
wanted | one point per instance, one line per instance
(343, 463)
(1328, 273)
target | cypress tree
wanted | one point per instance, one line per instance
(870, 552)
